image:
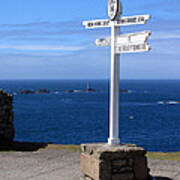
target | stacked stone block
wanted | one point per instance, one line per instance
(6, 118)
(104, 162)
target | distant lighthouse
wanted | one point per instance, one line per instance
(88, 86)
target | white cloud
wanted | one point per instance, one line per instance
(165, 35)
(42, 48)
(168, 47)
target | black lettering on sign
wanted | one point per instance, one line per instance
(105, 23)
(97, 23)
(90, 24)
(133, 47)
(126, 48)
(132, 20)
(141, 19)
(122, 21)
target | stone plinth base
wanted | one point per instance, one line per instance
(121, 162)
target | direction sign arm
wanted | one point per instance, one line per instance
(132, 20)
(99, 23)
(103, 42)
(125, 39)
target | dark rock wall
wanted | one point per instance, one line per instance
(6, 118)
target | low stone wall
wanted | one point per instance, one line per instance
(6, 118)
(122, 162)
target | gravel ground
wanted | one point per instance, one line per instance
(169, 170)
(64, 165)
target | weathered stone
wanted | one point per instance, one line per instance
(88, 149)
(120, 162)
(140, 168)
(85, 178)
(104, 151)
(89, 166)
(120, 152)
(123, 176)
(122, 170)
(130, 162)
(2, 113)
(95, 168)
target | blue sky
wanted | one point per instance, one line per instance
(45, 39)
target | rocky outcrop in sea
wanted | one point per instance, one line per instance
(39, 91)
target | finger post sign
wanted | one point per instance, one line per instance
(125, 43)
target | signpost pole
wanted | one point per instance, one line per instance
(114, 89)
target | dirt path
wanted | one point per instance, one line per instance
(64, 165)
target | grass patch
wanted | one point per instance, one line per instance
(164, 156)
(62, 147)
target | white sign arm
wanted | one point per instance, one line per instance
(132, 20)
(132, 38)
(99, 23)
(133, 48)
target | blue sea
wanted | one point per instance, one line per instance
(75, 118)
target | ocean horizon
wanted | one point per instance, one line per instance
(149, 112)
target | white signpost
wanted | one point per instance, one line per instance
(124, 21)
(126, 43)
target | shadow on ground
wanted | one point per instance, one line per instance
(162, 178)
(22, 146)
